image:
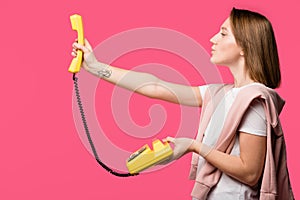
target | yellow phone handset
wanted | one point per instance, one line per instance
(76, 21)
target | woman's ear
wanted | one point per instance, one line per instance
(242, 53)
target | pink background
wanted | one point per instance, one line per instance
(42, 156)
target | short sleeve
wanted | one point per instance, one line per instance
(254, 120)
(203, 89)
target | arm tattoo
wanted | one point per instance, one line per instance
(104, 73)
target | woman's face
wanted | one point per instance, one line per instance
(225, 51)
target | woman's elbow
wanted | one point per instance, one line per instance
(252, 179)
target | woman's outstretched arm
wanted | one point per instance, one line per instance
(143, 83)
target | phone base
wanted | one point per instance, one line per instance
(145, 157)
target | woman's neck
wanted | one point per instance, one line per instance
(241, 77)
(242, 82)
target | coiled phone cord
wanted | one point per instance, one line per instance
(75, 79)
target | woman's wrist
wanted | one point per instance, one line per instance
(204, 150)
(200, 148)
(195, 147)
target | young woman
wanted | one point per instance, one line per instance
(240, 148)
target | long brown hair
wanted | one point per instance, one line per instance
(254, 34)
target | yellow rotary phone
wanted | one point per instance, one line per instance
(142, 158)
(145, 157)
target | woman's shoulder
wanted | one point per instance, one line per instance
(258, 89)
(217, 86)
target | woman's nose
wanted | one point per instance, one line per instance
(213, 39)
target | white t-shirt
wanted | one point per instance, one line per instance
(253, 122)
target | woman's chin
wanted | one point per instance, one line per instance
(216, 62)
(212, 60)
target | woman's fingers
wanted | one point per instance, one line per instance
(74, 54)
(77, 46)
(169, 139)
